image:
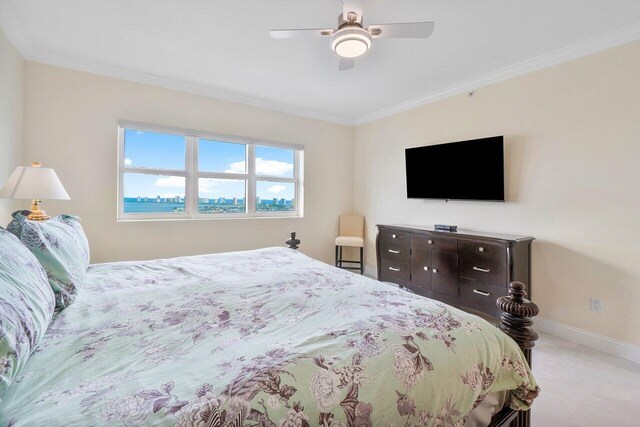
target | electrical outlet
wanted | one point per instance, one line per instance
(596, 305)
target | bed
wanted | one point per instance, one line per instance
(268, 337)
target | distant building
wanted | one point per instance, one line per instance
(235, 201)
(282, 202)
(221, 201)
(258, 200)
(158, 199)
(138, 198)
(275, 201)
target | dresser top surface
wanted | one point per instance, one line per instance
(460, 232)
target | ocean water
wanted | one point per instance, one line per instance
(133, 206)
(151, 207)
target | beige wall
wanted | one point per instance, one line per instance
(572, 149)
(11, 114)
(73, 118)
(572, 146)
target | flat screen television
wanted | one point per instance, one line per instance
(465, 170)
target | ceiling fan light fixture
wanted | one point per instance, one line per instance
(351, 42)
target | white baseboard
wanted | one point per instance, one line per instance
(370, 271)
(589, 339)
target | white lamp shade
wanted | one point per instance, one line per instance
(28, 182)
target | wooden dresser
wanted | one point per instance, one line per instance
(464, 268)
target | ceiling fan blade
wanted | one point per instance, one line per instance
(346, 64)
(289, 34)
(408, 30)
(352, 6)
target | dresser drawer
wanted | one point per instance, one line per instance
(444, 273)
(396, 272)
(487, 271)
(396, 237)
(421, 267)
(466, 268)
(481, 296)
(440, 244)
(483, 250)
(393, 251)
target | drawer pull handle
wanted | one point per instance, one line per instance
(484, 294)
(393, 236)
(394, 269)
(484, 270)
(426, 268)
(430, 242)
(435, 270)
(394, 252)
(481, 249)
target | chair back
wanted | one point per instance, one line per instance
(352, 225)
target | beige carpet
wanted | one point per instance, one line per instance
(583, 387)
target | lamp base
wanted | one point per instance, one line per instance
(37, 214)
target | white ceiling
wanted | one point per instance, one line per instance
(222, 47)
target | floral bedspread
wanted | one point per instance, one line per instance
(259, 338)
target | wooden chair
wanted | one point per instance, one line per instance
(351, 235)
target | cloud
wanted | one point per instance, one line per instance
(128, 162)
(236, 167)
(276, 189)
(263, 167)
(170, 182)
(208, 186)
(139, 132)
(213, 188)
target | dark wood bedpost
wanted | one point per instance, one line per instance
(293, 243)
(516, 322)
(517, 312)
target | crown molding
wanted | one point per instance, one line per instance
(587, 47)
(20, 39)
(14, 31)
(183, 86)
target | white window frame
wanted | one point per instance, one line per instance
(192, 175)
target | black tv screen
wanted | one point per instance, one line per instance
(465, 170)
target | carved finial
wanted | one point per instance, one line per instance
(517, 312)
(516, 304)
(293, 242)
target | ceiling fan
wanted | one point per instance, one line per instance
(351, 39)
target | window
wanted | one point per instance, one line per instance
(168, 173)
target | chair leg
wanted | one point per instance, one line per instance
(361, 260)
(340, 257)
(336, 255)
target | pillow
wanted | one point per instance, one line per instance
(61, 247)
(26, 306)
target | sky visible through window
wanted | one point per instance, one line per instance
(154, 150)
(215, 156)
(164, 151)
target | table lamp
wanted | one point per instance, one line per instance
(36, 183)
